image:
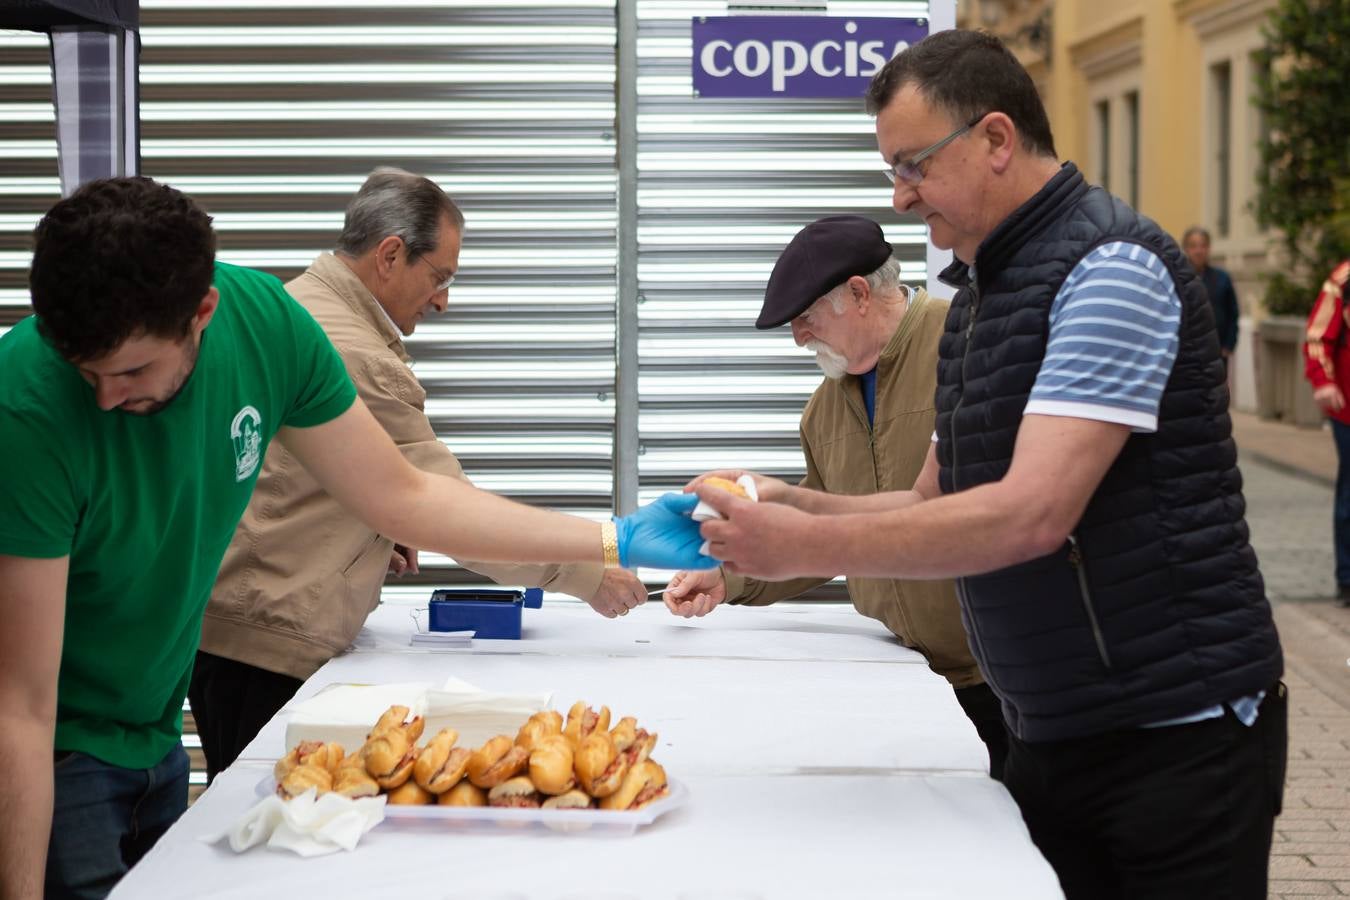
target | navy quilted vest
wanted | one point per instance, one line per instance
(1155, 607)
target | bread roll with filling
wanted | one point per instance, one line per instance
(551, 766)
(466, 793)
(644, 783)
(440, 764)
(599, 766)
(410, 793)
(354, 781)
(573, 799)
(516, 793)
(582, 721)
(496, 761)
(302, 778)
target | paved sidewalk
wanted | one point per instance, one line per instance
(1288, 474)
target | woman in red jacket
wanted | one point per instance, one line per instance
(1327, 357)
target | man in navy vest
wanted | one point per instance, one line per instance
(1083, 489)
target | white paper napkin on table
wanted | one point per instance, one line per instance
(346, 712)
(307, 825)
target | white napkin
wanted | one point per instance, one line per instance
(306, 825)
(345, 713)
(703, 512)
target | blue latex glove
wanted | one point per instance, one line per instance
(661, 535)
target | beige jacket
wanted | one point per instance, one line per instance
(846, 456)
(302, 574)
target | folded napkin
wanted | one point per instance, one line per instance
(345, 712)
(306, 825)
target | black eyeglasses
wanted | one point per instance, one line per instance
(908, 171)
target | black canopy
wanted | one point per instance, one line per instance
(95, 49)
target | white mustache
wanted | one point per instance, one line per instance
(833, 363)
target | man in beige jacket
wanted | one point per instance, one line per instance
(866, 429)
(302, 573)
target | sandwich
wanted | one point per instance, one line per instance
(354, 781)
(537, 727)
(325, 756)
(496, 761)
(639, 748)
(727, 485)
(644, 783)
(440, 764)
(515, 793)
(302, 778)
(573, 799)
(582, 720)
(393, 718)
(551, 765)
(410, 793)
(389, 758)
(466, 793)
(599, 766)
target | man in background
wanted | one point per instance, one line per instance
(303, 573)
(866, 429)
(1222, 297)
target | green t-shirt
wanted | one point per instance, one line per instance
(145, 506)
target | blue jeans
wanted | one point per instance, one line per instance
(1341, 520)
(105, 818)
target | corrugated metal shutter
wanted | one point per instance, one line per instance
(271, 114)
(723, 185)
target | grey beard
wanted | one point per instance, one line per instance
(831, 362)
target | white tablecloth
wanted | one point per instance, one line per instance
(822, 760)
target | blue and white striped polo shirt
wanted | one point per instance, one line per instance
(1114, 331)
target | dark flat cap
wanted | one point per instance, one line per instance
(821, 257)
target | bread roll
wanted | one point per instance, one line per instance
(518, 793)
(302, 778)
(496, 761)
(573, 799)
(410, 793)
(599, 766)
(551, 765)
(582, 721)
(466, 793)
(727, 485)
(644, 783)
(440, 764)
(389, 758)
(354, 781)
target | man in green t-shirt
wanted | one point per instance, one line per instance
(135, 410)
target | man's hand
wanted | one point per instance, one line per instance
(402, 561)
(1330, 398)
(761, 540)
(620, 591)
(769, 490)
(691, 594)
(661, 535)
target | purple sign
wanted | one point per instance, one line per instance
(795, 56)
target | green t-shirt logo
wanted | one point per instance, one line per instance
(244, 432)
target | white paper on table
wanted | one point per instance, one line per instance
(345, 713)
(307, 825)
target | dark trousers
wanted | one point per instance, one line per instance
(105, 818)
(1341, 516)
(986, 712)
(1177, 813)
(231, 702)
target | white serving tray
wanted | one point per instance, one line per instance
(595, 822)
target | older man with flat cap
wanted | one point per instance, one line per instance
(866, 429)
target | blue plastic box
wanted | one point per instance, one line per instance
(490, 615)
